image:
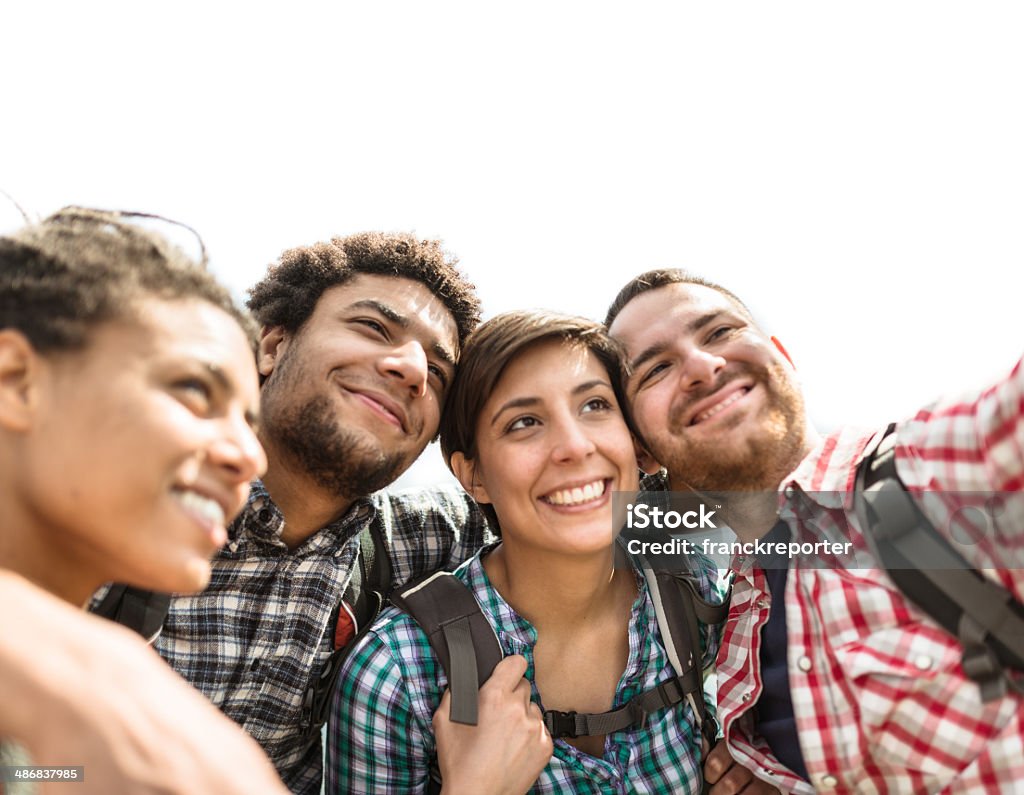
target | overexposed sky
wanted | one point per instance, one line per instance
(854, 171)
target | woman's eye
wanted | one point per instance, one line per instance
(521, 423)
(596, 404)
(195, 390)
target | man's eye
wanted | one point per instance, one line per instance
(373, 325)
(719, 332)
(438, 373)
(658, 368)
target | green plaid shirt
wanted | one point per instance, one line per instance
(380, 738)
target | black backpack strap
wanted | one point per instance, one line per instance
(459, 634)
(984, 617)
(364, 598)
(634, 713)
(139, 610)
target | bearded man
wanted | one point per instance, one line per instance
(360, 339)
(829, 678)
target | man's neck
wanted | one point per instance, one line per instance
(752, 514)
(305, 505)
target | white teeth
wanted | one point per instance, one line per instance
(577, 495)
(711, 412)
(203, 506)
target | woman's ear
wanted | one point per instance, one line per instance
(465, 470)
(19, 373)
(273, 342)
(644, 460)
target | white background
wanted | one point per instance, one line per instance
(854, 171)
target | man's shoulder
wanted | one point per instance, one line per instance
(447, 500)
(443, 508)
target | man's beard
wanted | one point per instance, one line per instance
(309, 436)
(337, 460)
(758, 462)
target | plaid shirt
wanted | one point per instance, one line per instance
(879, 694)
(381, 739)
(258, 635)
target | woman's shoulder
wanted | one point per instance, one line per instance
(395, 643)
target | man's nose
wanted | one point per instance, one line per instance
(700, 368)
(408, 363)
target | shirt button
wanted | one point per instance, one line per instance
(804, 664)
(265, 515)
(761, 604)
(923, 662)
(829, 781)
(746, 696)
(789, 491)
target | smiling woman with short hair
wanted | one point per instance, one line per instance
(533, 429)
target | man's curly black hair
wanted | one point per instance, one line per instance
(289, 292)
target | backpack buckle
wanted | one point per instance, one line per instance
(560, 724)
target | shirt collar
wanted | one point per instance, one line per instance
(262, 519)
(826, 475)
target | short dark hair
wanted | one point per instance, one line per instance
(80, 267)
(652, 280)
(289, 292)
(491, 348)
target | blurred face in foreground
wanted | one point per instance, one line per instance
(127, 458)
(552, 446)
(713, 397)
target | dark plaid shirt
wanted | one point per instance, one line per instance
(258, 635)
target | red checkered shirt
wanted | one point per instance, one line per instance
(880, 698)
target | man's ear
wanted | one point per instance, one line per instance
(783, 351)
(465, 470)
(644, 460)
(19, 374)
(273, 343)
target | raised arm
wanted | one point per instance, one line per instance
(81, 691)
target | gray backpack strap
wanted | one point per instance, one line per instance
(459, 634)
(984, 617)
(680, 610)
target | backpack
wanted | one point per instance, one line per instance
(982, 615)
(468, 650)
(364, 598)
(139, 610)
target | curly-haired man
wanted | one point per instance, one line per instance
(360, 338)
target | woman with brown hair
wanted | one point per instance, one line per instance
(534, 430)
